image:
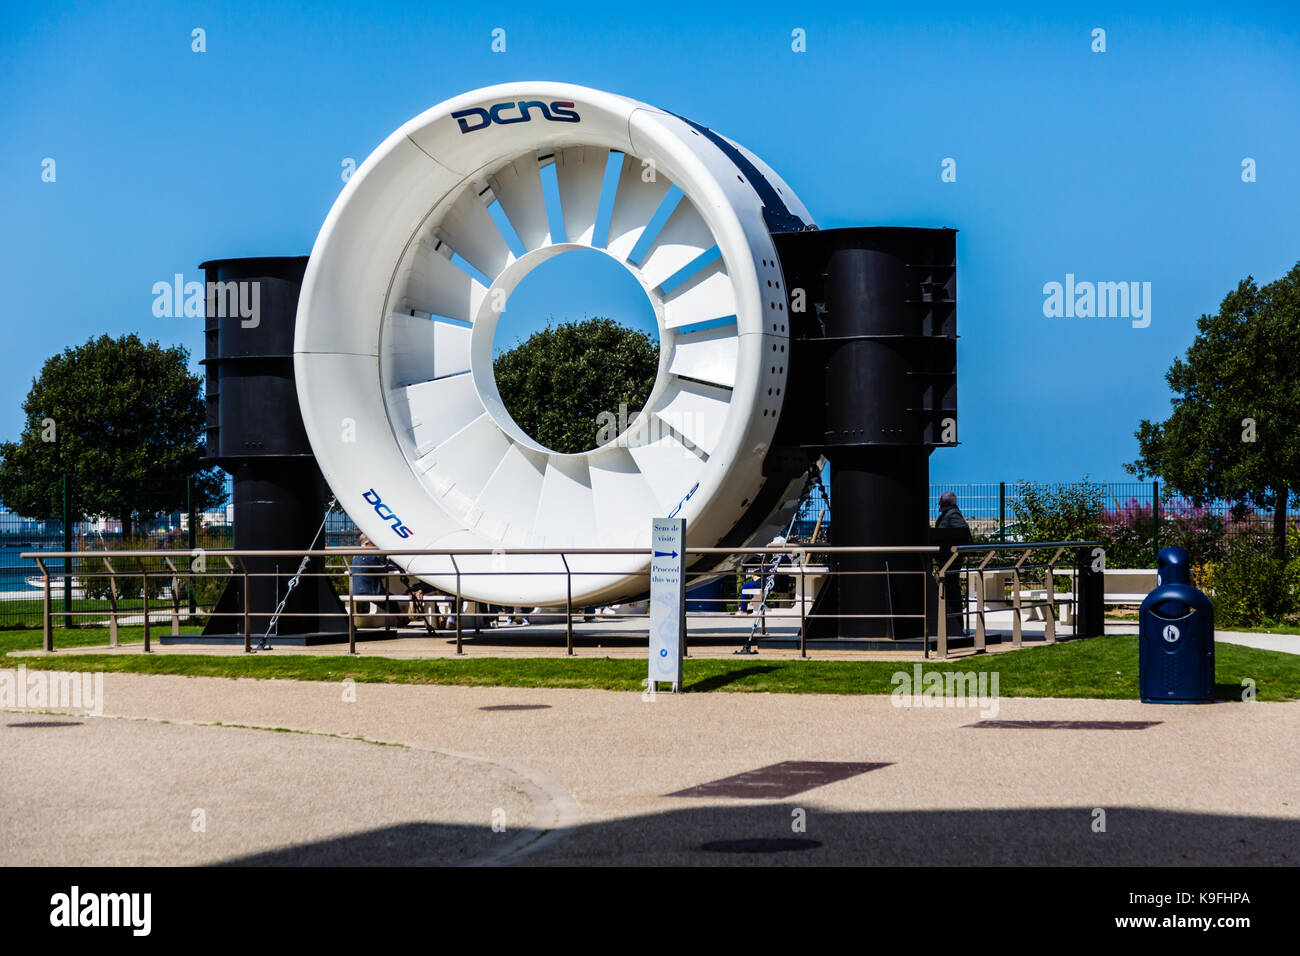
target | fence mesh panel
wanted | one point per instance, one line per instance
(1135, 519)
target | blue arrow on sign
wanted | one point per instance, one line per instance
(665, 554)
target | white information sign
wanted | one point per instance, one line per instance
(667, 600)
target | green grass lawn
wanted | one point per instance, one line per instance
(1103, 667)
(29, 639)
(25, 613)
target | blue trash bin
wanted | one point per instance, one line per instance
(1173, 566)
(1176, 646)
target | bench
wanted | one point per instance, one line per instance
(398, 607)
(377, 611)
(1120, 586)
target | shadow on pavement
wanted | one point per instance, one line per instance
(409, 844)
(758, 831)
(1232, 692)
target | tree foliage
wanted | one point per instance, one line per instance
(1235, 428)
(117, 415)
(1059, 512)
(557, 383)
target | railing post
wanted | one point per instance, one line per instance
(979, 609)
(248, 624)
(189, 508)
(1049, 616)
(942, 613)
(388, 596)
(942, 610)
(460, 611)
(144, 577)
(1016, 635)
(47, 626)
(925, 615)
(1017, 632)
(803, 606)
(176, 598)
(568, 606)
(112, 603)
(1075, 588)
(352, 607)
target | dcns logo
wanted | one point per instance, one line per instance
(557, 112)
(385, 512)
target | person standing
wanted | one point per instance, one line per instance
(369, 570)
(952, 529)
(950, 515)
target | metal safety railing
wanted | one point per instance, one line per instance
(1020, 566)
(812, 566)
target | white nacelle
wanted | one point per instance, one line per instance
(393, 349)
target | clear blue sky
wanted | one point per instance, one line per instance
(1115, 166)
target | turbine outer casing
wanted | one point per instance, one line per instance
(348, 344)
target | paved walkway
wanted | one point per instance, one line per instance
(593, 777)
(1286, 643)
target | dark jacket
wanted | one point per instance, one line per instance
(951, 518)
(950, 529)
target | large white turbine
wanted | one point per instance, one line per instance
(393, 348)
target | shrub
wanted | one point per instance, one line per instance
(1251, 588)
(1126, 532)
(129, 587)
(206, 587)
(1059, 512)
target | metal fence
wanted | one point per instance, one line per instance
(1133, 520)
(166, 513)
(166, 581)
(166, 516)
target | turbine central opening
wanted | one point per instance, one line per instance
(575, 354)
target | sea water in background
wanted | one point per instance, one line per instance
(14, 571)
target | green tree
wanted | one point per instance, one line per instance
(1070, 512)
(1235, 428)
(116, 415)
(557, 383)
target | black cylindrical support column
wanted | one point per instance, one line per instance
(255, 432)
(886, 483)
(867, 365)
(873, 388)
(874, 584)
